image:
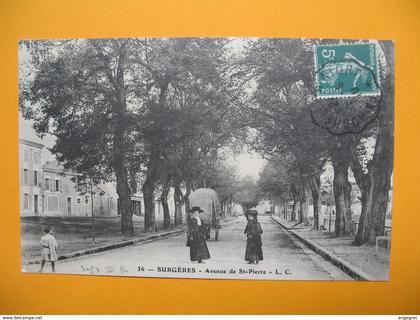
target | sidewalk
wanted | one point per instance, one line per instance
(360, 262)
(142, 239)
(74, 233)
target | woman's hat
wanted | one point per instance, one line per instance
(196, 208)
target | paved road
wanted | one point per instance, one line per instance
(284, 258)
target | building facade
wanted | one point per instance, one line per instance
(30, 168)
(48, 190)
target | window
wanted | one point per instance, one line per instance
(26, 177)
(35, 178)
(36, 157)
(86, 199)
(69, 206)
(57, 185)
(26, 155)
(78, 200)
(47, 184)
(26, 201)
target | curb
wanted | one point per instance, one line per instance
(348, 268)
(113, 246)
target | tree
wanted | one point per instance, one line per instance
(275, 183)
(315, 186)
(248, 195)
(223, 178)
(375, 183)
(79, 94)
(89, 185)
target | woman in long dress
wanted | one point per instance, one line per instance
(253, 231)
(197, 237)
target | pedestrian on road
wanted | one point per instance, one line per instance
(197, 237)
(49, 249)
(253, 231)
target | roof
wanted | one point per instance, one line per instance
(31, 143)
(55, 167)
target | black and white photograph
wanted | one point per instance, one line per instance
(211, 158)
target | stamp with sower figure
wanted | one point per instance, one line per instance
(346, 70)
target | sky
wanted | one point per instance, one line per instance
(248, 164)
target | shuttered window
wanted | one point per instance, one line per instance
(35, 178)
(26, 201)
(26, 177)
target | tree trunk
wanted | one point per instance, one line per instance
(285, 209)
(374, 206)
(152, 168)
(93, 217)
(315, 184)
(296, 207)
(223, 209)
(119, 152)
(178, 203)
(124, 197)
(304, 204)
(165, 206)
(149, 205)
(342, 193)
(187, 199)
(376, 183)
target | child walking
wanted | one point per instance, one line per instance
(49, 249)
(253, 231)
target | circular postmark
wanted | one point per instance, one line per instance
(348, 89)
(342, 116)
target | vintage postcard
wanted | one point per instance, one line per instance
(214, 158)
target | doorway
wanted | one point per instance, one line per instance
(36, 204)
(69, 206)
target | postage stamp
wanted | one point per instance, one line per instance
(346, 70)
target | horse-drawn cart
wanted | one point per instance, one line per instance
(208, 201)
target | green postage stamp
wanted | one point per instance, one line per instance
(346, 70)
